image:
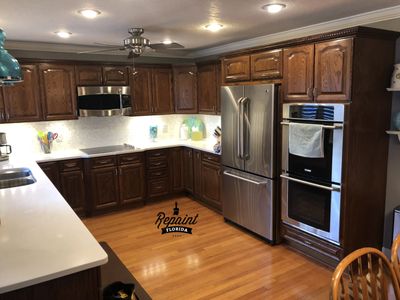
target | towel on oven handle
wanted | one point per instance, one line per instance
(306, 140)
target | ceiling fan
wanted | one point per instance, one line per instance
(137, 44)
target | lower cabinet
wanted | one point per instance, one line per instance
(211, 182)
(197, 176)
(104, 188)
(176, 169)
(131, 183)
(187, 171)
(158, 177)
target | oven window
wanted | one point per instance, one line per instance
(309, 205)
(314, 168)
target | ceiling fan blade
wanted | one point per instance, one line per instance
(166, 46)
(105, 45)
(102, 50)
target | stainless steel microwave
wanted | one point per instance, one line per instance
(104, 101)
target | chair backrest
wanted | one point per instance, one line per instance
(395, 257)
(364, 274)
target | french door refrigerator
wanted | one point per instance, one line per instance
(248, 116)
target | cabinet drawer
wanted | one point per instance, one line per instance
(157, 154)
(70, 165)
(130, 158)
(104, 161)
(163, 172)
(157, 163)
(212, 158)
(158, 187)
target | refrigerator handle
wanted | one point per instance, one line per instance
(239, 128)
(245, 127)
(244, 179)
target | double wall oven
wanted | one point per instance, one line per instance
(311, 187)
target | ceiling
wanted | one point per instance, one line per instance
(179, 20)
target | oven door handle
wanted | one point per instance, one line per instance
(336, 126)
(333, 188)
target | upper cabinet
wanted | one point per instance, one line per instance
(320, 72)
(22, 100)
(208, 85)
(236, 68)
(185, 89)
(266, 65)
(57, 83)
(151, 90)
(101, 75)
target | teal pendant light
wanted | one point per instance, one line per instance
(10, 71)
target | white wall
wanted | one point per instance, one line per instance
(94, 131)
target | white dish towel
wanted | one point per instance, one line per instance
(306, 140)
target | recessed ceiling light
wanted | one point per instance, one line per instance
(167, 42)
(214, 27)
(89, 13)
(273, 8)
(63, 34)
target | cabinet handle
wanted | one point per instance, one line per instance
(307, 242)
(116, 172)
(70, 165)
(156, 164)
(314, 92)
(121, 73)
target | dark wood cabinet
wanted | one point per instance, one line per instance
(197, 175)
(162, 100)
(57, 83)
(236, 68)
(266, 65)
(208, 88)
(332, 78)
(51, 171)
(88, 75)
(22, 101)
(298, 73)
(158, 175)
(185, 89)
(188, 181)
(211, 180)
(104, 188)
(141, 90)
(115, 75)
(131, 183)
(176, 169)
(73, 190)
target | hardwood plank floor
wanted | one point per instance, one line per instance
(218, 261)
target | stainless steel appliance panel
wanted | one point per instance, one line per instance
(333, 216)
(259, 112)
(248, 201)
(231, 143)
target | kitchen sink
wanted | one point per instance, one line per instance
(15, 177)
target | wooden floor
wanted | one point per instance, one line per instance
(218, 261)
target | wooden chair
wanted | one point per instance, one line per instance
(365, 274)
(395, 257)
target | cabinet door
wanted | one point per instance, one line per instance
(58, 91)
(188, 170)
(175, 167)
(162, 102)
(332, 78)
(266, 65)
(197, 175)
(207, 93)
(22, 101)
(51, 171)
(185, 89)
(140, 82)
(115, 75)
(104, 185)
(210, 184)
(2, 112)
(298, 73)
(88, 75)
(236, 68)
(131, 183)
(73, 190)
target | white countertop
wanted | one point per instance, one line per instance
(41, 238)
(204, 145)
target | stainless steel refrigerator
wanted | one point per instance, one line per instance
(248, 119)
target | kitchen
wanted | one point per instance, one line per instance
(206, 130)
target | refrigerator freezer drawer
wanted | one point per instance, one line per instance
(247, 200)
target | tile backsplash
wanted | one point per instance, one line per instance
(94, 131)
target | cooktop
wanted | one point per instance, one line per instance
(108, 149)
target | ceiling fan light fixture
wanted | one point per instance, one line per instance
(63, 34)
(273, 8)
(214, 27)
(89, 13)
(167, 42)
